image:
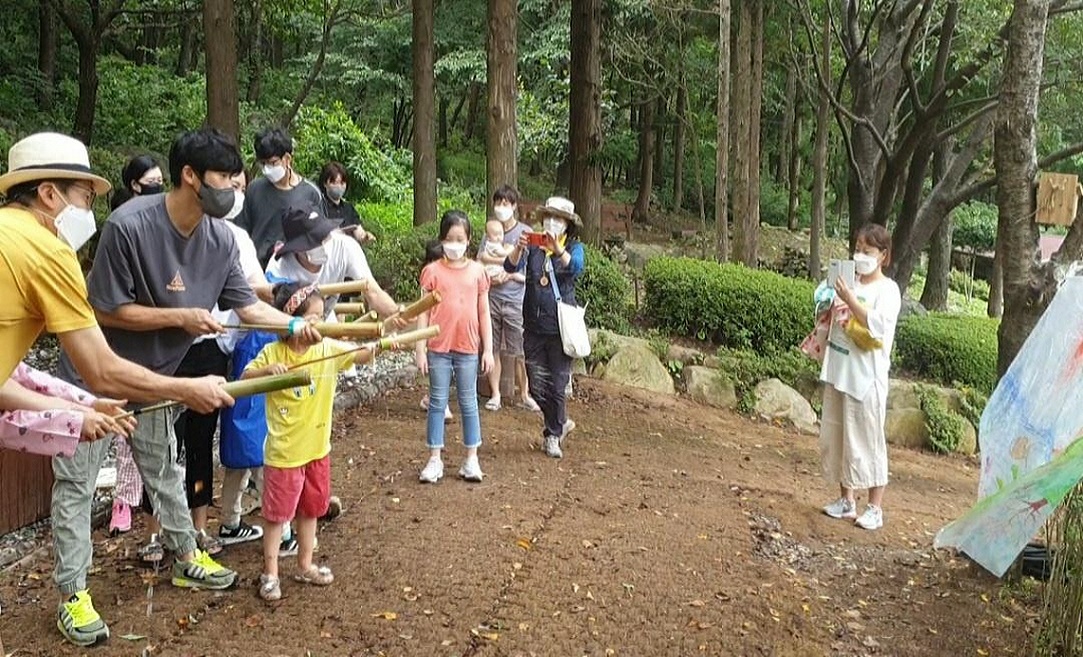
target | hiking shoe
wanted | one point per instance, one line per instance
(288, 547)
(471, 469)
(79, 622)
(841, 508)
(270, 588)
(552, 447)
(433, 472)
(872, 519)
(120, 520)
(569, 426)
(334, 509)
(242, 533)
(202, 572)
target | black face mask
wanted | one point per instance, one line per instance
(215, 202)
(147, 190)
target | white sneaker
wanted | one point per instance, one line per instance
(471, 469)
(872, 519)
(433, 472)
(569, 426)
(552, 447)
(841, 508)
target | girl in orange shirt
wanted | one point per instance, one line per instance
(465, 332)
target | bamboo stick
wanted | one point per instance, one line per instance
(347, 287)
(348, 308)
(415, 309)
(329, 329)
(385, 343)
(240, 388)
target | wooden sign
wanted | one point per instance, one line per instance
(1058, 198)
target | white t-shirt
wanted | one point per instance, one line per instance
(849, 368)
(345, 260)
(250, 267)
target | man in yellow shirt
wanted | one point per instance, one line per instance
(49, 193)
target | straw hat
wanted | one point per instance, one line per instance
(50, 156)
(559, 207)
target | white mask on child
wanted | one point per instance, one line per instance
(454, 250)
(865, 264)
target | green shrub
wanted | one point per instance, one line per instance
(605, 287)
(946, 427)
(975, 225)
(949, 349)
(962, 283)
(729, 304)
(746, 368)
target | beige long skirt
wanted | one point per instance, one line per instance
(853, 447)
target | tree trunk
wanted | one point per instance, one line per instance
(742, 114)
(457, 112)
(1026, 291)
(938, 275)
(501, 159)
(995, 307)
(472, 111)
(223, 107)
(659, 152)
(793, 174)
(255, 54)
(83, 127)
(441, 121)
(642, 211)
(786, 145)
(424, 142)
(330, 18)
(47, 41)
(678, 144)
(585, 120)
(722, 135)
(752, 232)
(819, 155)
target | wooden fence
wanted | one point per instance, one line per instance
(26, 488)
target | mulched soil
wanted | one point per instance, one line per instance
(667, 529)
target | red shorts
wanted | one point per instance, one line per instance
(302, 491)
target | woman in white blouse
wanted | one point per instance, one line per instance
(855, 370)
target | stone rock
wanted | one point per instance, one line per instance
(638, 367)
(904, 394)
(905, 427)
(707, 386)
(968, 444)
(598, 370)
(911, 307)
(777, 401)
(686, 355)
(713, 362)
(579, 366)
(602, 340)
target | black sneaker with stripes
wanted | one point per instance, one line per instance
(241, 533)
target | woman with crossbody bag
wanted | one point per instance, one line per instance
(552, 261)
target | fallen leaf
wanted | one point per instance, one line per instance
(446, 642)
(133, 637)
(524, 543)
(254, 620)
(983, 653)
(575, 588)
(696, 603)
(704, 626)
(324, 634)
(386, 615)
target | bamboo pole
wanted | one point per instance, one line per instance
(240, 388)
(385, 343)
(349, 308)
(354, 330)
(415, 309)
(347, 287)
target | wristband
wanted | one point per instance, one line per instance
(295, 326)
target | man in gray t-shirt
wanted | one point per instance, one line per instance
(161, 265)
(267, 198)
(506, 304)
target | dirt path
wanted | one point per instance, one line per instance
(667, 529)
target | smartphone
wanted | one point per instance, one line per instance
(535, 239)
(843, 268)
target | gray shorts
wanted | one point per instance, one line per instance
(507, 326)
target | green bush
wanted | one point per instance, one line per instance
(377, 173)
(605, 287)
(729, 304)
(746, 368)
(975, 225)
(949, 349)
(946, 427)
(962, 283)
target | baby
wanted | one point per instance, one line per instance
(495, 247)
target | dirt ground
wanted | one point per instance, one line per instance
(667, 529)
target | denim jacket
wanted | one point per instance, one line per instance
(539, 302)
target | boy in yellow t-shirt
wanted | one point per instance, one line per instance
(297, 462)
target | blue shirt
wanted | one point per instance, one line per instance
(539, 302)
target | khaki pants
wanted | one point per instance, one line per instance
(853, 446)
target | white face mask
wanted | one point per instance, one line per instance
(75, 226)
(504, 212)
(554, 226)
(454, 250)
(238, 204)
(865, 264)
(274, 173)
(317, 256)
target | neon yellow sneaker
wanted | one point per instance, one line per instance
(202, 572)
(79, 622)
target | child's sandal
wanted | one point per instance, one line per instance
(152, 552)
(318, 575)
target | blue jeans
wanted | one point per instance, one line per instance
(465, 369)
